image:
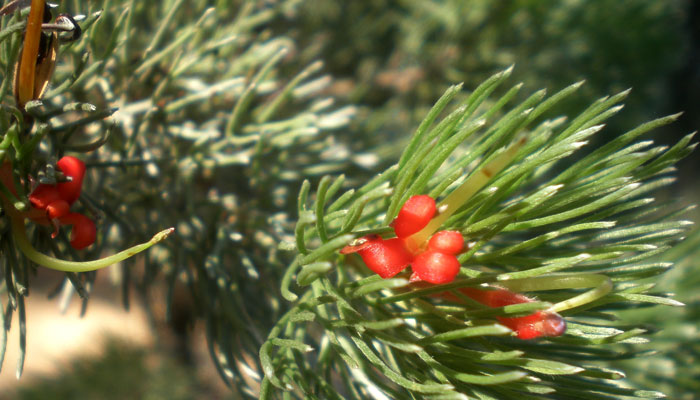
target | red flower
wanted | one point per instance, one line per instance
(537, 324)
(66, 192)
(83, 233)
(56, 200)
(414, 215)
(47, 197)
(435, 267)
(387, 257)
(74, 168)
(436, 262)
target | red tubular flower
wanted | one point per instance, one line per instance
(48, 198)
(44, 195)
(436, 264)
(385, 257)
(83, 232)
(68, 192)
(495, 297)
(435, 267)
(55, 201)
(448, 242)
(51, 203)
(415, 214)
(75, 169)
(537, 324)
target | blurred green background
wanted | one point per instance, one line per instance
(398, 56)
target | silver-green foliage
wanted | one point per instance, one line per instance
(189, 114)
(558, 211)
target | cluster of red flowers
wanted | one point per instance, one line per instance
(51, 202)
(57, 199)
(436, 262)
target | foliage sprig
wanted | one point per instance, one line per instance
(532, 225)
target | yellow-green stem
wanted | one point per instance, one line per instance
(600, 284)
(20, 236)
(450, 204)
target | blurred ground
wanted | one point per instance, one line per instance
(53, 339)
(110, 353)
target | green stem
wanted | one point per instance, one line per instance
(450, 204)
(20, 235)
(31, 253)
(600, 284)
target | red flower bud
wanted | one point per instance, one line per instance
(83, 232)
(448, 242)
(495, 297)
(74, 168)
(44, 195)
(385, 257)
(435, 267)
(57, 209)
(56, 199)
(51, 203)
(414, 215)
(537, 324)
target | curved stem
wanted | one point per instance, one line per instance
(31, 253)
(20, 235)
(600, 284)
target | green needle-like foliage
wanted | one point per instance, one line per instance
(675, 350)
(539, 224)
(207, 126)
